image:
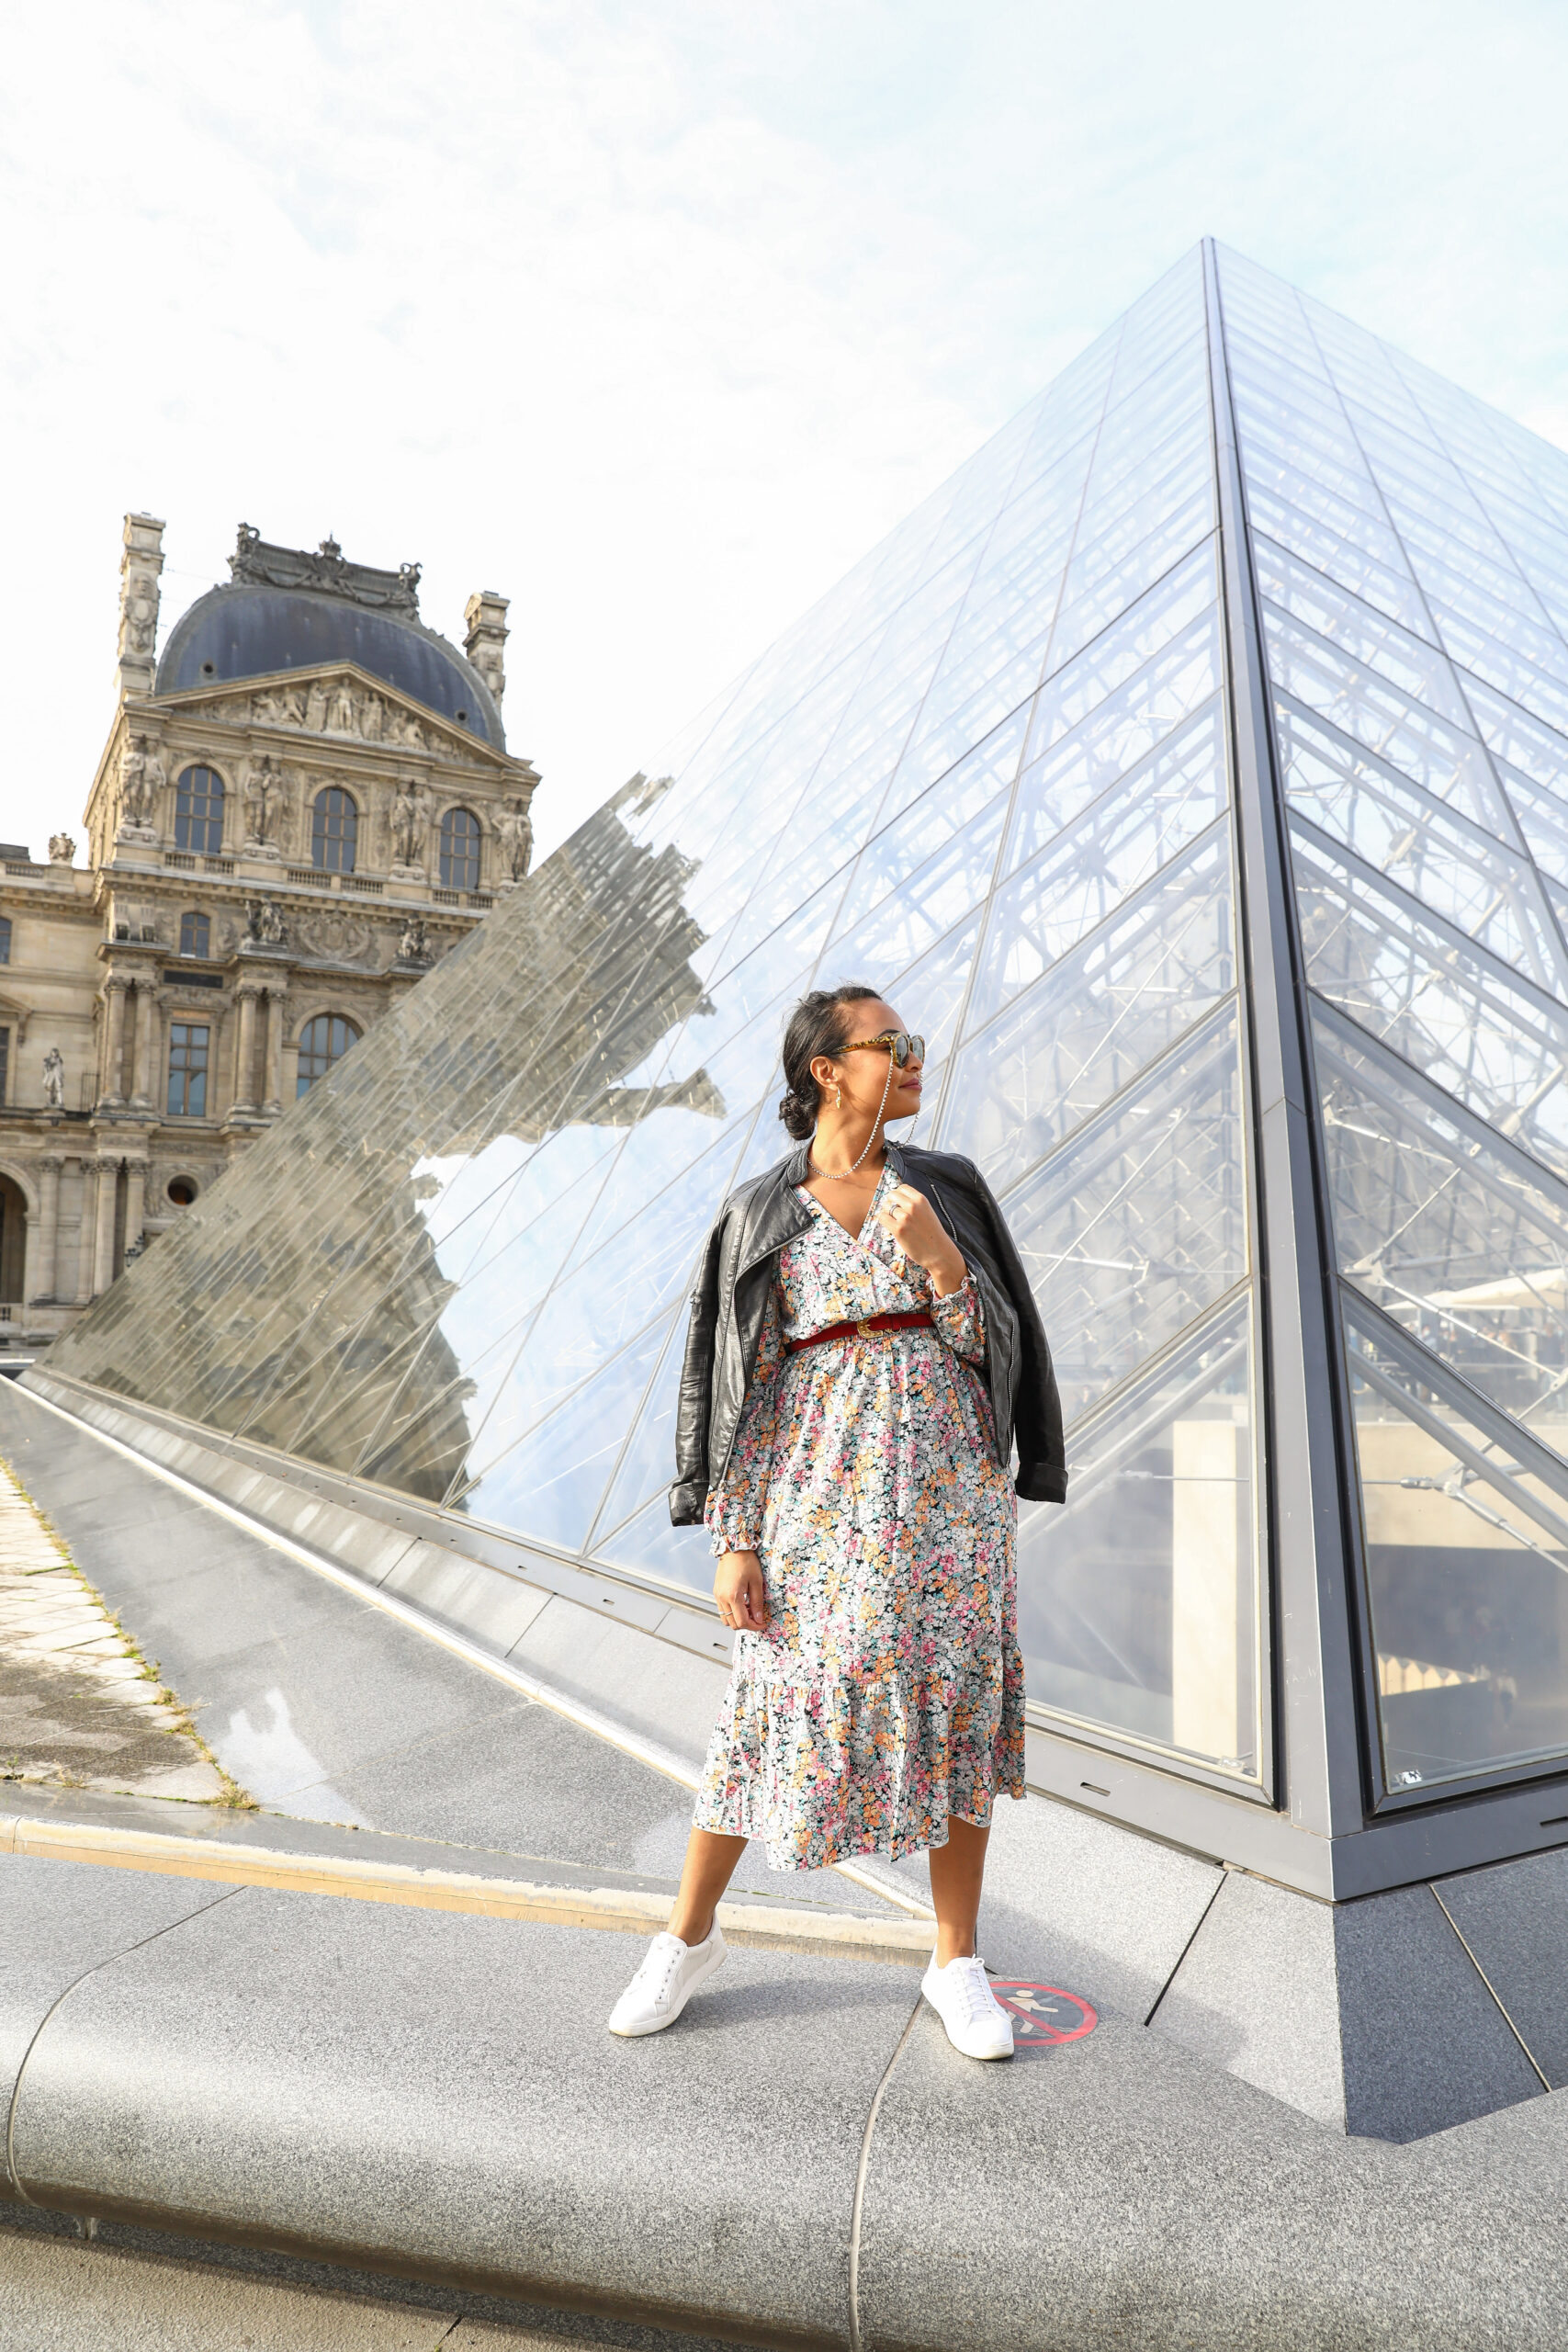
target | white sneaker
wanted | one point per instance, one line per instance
(670, 1974)
(975, 2020)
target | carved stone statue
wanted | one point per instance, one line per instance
(265, 793)
(316, 707)
(341, 715)
(411, 828)
(414, 948)
(372, 713)
(264, 926)
(141, 776)
(54, 1078)
(514, 839)
(62, 848)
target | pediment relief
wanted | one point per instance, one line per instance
(341, 704)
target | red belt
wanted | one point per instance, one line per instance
(863, 1329)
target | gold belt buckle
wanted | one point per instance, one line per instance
(864, 1329)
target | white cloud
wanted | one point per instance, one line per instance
(655, 317)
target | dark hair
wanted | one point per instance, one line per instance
(816, 1026)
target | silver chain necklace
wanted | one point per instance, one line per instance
(842, 1175)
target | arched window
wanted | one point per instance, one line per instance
(323, 1041)
(460, 850)
(198, 811)
(196, 935)
(334, 830)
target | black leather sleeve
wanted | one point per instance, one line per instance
(689, 1493)
(1037, 1409)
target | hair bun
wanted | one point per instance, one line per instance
(798, 1118)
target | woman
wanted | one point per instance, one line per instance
(863, 1354)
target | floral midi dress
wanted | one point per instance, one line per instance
(886, 1691)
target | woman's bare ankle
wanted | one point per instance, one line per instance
(691, 1930)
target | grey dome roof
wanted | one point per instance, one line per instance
(249, 628)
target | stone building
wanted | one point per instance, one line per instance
(304, 802)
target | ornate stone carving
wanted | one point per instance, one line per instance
(514, 842)
(62, 848)
(257, 561)
(485, 643)
(139, 565)
(336, 938)
(266, 791)
(140, 780)
(279, 706)
(410, 828)
(54, 1078)
(264, 926)
(414, 948)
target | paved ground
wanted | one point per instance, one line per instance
(325, 1708)
(133, 2292)
(79, 1705)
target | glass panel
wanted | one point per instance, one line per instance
(1460, 1240)
(1467, 1572)
(1395, 828)
(550, 1486)
(1098, 1017)
(1444, 1006)
(1138, 1603)
(1088, 871)
(1139, 1222)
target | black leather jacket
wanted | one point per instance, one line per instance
(728, 1301)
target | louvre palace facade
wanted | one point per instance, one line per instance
(304, 803)
(1192, 769)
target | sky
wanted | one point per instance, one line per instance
(654, 318)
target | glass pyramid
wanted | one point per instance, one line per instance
(1193, 768)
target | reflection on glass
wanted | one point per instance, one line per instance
(1391, 825)
(1098, 1017)
(1441, 1002)
(1089, 870)
(1139, 1222)
(1461, 1240)
(1467, 1571)
(1138, 1603)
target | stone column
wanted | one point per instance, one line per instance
(135, 1202)
(103, 1235)
(43, 1274)
(111, 1086)
(139, 566)
(146, 1025)
(245, 1054)
(271, 1085)
(86, 1231)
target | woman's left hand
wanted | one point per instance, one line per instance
(915, 1225)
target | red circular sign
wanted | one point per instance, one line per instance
(1043, 2016)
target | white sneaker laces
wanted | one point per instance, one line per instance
(976, 1993)
(661, 1960)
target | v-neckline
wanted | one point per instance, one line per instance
(857, 1238)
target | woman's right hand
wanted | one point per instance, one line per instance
(742, 1595)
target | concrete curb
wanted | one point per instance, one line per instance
(765, 1927)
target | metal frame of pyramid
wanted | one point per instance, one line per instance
(360, 1356)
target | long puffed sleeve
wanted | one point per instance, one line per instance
(959, 1320)
(733, 1515)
